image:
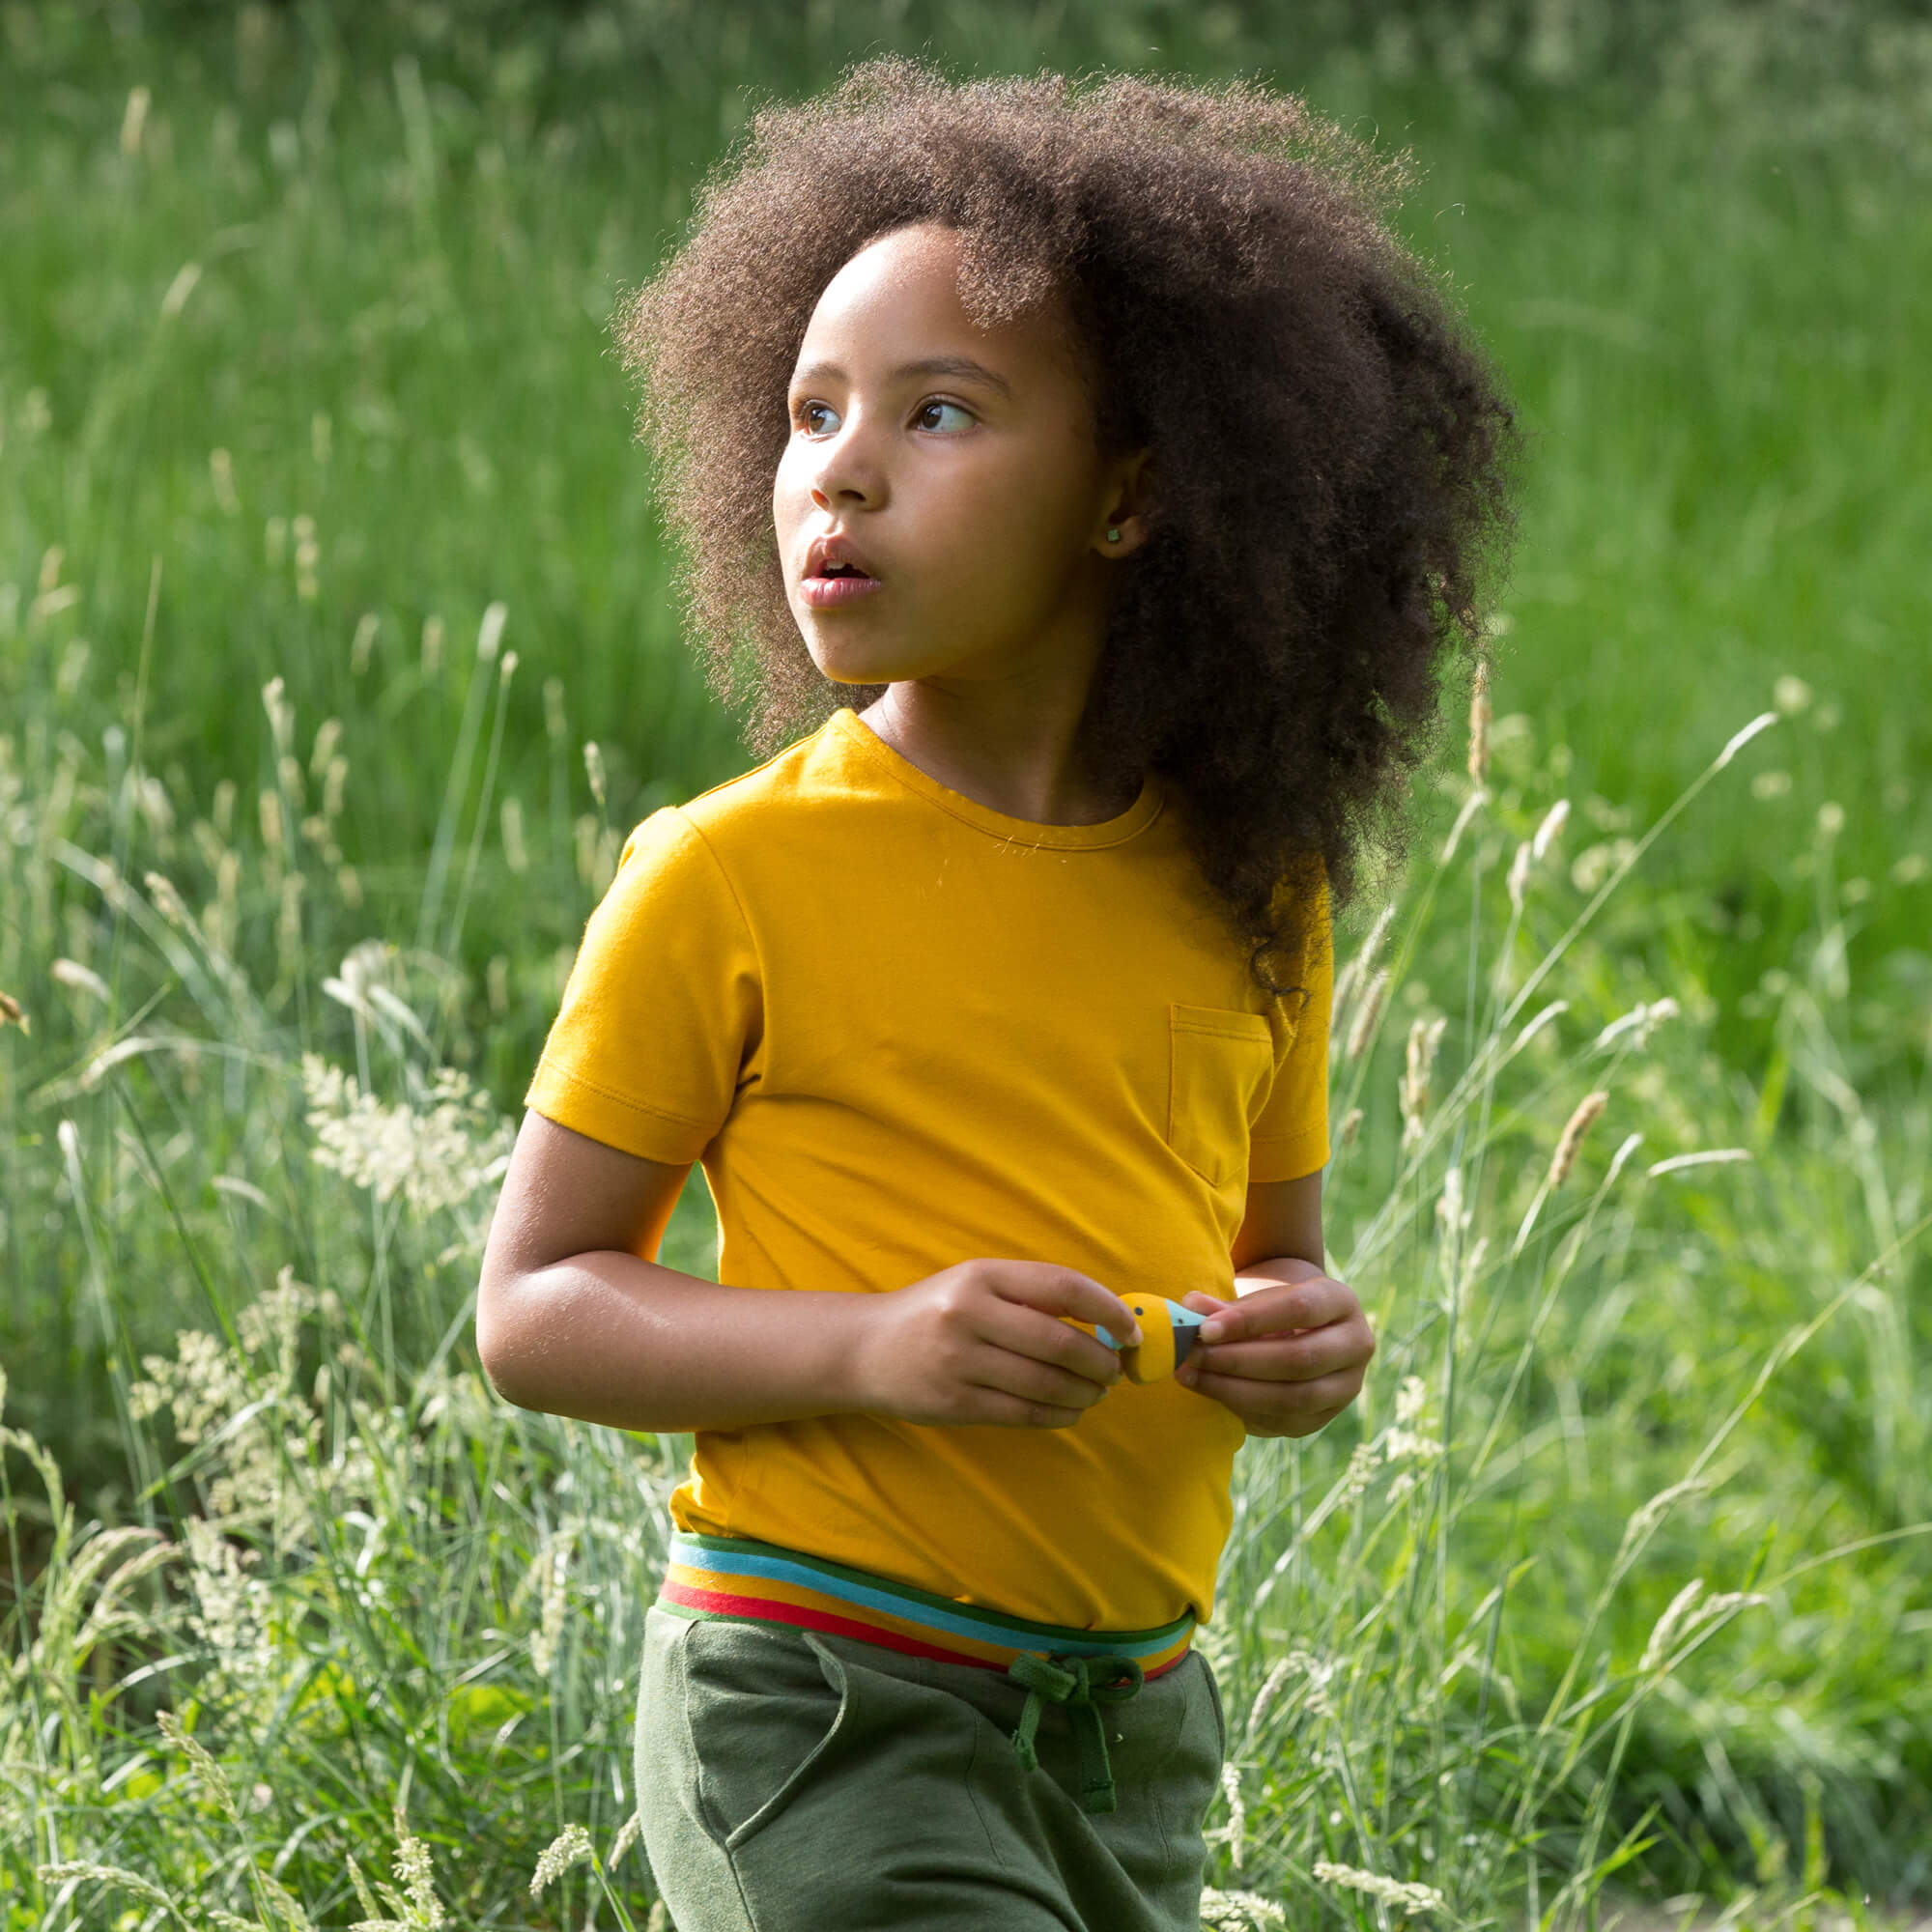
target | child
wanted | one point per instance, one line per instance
(1128, 483)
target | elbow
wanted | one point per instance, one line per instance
(500, 1340)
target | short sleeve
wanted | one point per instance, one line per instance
(1290, 1138)
(664, 1007)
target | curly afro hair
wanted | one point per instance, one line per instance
(1330, 454)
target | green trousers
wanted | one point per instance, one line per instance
(791, 1781)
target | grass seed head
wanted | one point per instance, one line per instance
(81, 979)
(1425, 1041)
(1361, 1470)
(1551, 830)
(1368, 1013)
(86, 1871)
(417, 1878)
(1279, 1672)
(334, 784)
(1240, 1911)
(210, 1773)
(1518, 876)
(1409, 1898)
(327, 736)
(365, 1897)
(12, 1013)
(570, 1847)
(632, 1830)
(281, 716)
(1238, 1815)
(554, 1562)
(168, 901)
(1480, 716)
(1588, 1111)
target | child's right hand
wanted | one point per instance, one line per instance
(991, 1342)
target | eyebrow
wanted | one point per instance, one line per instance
(961, 366)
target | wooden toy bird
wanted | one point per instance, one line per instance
(1167, 1337)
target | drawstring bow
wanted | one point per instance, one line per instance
(1082, 1685)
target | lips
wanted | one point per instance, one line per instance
(835, 574)
(835, 556)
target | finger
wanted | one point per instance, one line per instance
(1266, 1392)
(1277, 1358)
(1034, 1381)
(1001, 1408)
(1297, 1357)
(1029, 1333)
(1204, 1303)
(1059, 1291)
(1286, 1408)
(1293, 1304)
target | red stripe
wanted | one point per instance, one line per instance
(762, 1610)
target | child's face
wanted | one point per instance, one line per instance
(957, 466)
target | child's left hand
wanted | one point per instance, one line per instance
(1288, 1356)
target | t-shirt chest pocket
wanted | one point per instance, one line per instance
(1220, 1063)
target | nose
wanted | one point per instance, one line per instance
(848, 474)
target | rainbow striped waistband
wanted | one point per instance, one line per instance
(737, 1579)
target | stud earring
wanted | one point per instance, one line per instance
(1113, 536)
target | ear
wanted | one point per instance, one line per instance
(1128, 501)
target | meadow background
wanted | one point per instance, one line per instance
(323, 558)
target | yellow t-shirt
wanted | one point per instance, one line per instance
(901, 1031)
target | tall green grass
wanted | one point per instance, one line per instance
(322, 554)
(1593, 1586)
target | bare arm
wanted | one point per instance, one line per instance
(574, 1319)
(1291, 1354)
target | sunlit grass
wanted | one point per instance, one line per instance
(322, 554)
(1478, 1638)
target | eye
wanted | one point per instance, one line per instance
(927, 411)
(812, 417)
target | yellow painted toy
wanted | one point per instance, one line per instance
(1167, 1336)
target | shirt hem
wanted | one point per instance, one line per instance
(631, 1127)
(1288, 1159)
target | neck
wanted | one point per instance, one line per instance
(1011, 746)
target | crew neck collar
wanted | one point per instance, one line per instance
(853, 729)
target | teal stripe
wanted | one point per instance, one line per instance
(741, 1557)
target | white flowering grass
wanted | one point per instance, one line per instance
(437, 1150)
(1464, 1636)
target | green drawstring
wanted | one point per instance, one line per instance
(1082, 1684)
